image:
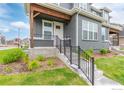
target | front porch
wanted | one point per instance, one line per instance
(114, 37)
(45, 25)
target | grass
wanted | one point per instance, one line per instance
(61, 76)
(112, 68)
(121, 48)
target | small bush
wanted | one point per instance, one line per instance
(50, 62)
(8, 69)
(88, 52)
(40, 58)
(103, 51)
(26, 58)
(12, 55)
(33, 64)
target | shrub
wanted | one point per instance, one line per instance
(33, 64)
(50, 62)
(26, 58)
(103, 51)
(12, 55)
(40, 58)
(88, 52)
(8, 69)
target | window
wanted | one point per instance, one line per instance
(104, 34)
(47, 29)
(85, 29)
(89, 30)
(95, 30)
(83, 6)
(106, 15)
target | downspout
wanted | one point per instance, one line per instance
(77, 27)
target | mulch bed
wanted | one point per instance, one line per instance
(21, 67)
(108, 55)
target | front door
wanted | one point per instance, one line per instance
(58, 29)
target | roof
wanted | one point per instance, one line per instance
(95, 9)
(106, 9)
(66, 11)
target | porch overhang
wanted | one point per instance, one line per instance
(44, 10)
(113, 31)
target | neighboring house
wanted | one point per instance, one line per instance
(25, 42)
(114, 34)
(121, 37)
(14, 41)
(87, 26)
(2, 39)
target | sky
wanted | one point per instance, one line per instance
(13, 16)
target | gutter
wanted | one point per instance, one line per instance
(77, 27)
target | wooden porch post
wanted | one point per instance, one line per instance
(31, 29)
(118, 38)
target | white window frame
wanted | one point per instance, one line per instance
(43, 27)
(105, 34)
(104, 15)
(88, 30)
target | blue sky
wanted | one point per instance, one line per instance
(12, 15)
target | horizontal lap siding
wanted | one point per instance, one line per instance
(86, 44)
(43, 43)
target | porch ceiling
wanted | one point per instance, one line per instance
(113, 31)
(47, 11)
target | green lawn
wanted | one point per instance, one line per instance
(121, 48)
(112, 68)
(62, 76)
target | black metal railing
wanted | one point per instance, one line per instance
(75, 54)
(86, 64)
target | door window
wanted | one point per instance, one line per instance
(47, 29)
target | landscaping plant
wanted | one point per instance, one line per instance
(26, 58)
(87, 52)
(50, 62)
(11, 55)
(33, 64)
(8, 69)
(40, 58)
(103, 51)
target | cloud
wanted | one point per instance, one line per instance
(117, 11)
(4, 30)
(20, 25)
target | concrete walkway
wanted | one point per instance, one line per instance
(100, 79)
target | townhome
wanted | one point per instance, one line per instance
(87, 26)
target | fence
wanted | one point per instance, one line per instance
(77, 56)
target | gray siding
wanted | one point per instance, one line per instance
(70, 29)
(38, 27)
(43, 43)
(86, 44)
